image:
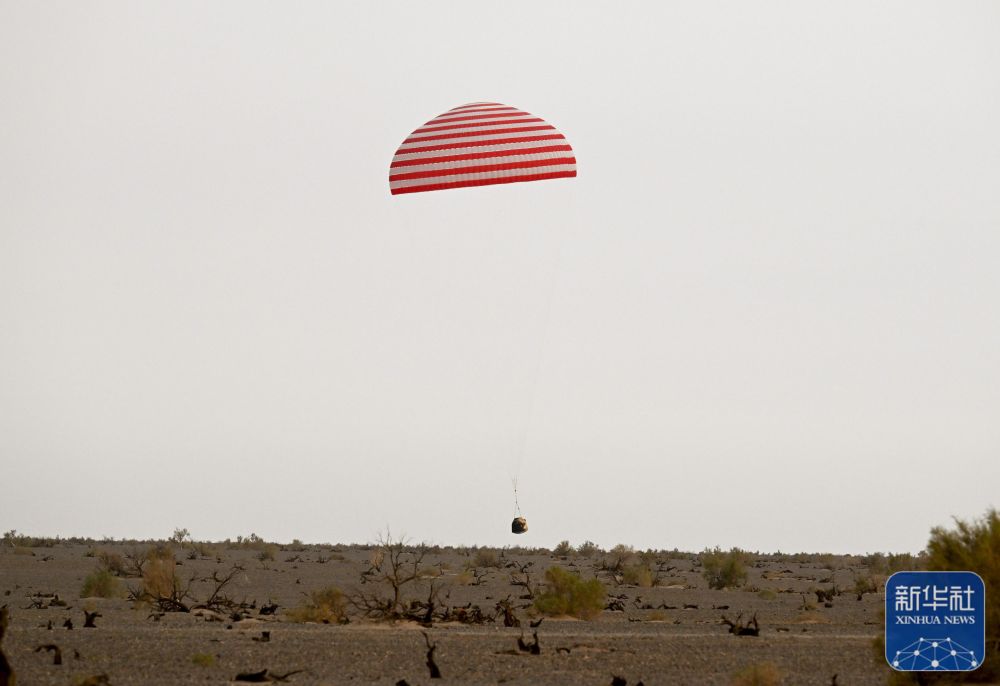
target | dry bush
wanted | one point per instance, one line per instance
(159, 551)
(325, 606)
(757, 674)
(159, 578)
(486, 557)
(399, 565)
(112, 562)
(588, 549)
(204, 549)
(463, 578)
(266, 552)
(567, 594)
(724, 570)
(102, 583)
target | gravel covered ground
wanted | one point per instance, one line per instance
(670, 633)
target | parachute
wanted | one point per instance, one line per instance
(480, 144)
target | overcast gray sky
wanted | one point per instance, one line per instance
(765, 314)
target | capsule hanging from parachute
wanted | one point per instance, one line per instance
(480, 144)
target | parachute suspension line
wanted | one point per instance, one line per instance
(522, 439)
(542, 340)
(517, 508)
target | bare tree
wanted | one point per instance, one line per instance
(396, 564)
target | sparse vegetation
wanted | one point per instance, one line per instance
(203, 659)
(101, 583)
(325, 606)
(757, 674)
(588, 549)
(724, 569)
(567, 594)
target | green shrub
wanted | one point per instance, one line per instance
(638, 574)
(724, 570)
(898, 562)
(865, 584)
(974, 546)
(567, 594)
(101, 583)
(563, 549)
(325, 606)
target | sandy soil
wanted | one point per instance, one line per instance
(681, 641)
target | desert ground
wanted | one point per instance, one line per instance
(248, 606)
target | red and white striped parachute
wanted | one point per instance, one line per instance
(480, 144)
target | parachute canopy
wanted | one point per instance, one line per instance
(480, 144)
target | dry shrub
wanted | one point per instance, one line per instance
(486, 557)
(325, 606)
(160, 551)
(757, 674)
(567, 594)
(101, 583)
(266, 552)
(112, 562)
(159, 578)
(588, 548)
(205, 549)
